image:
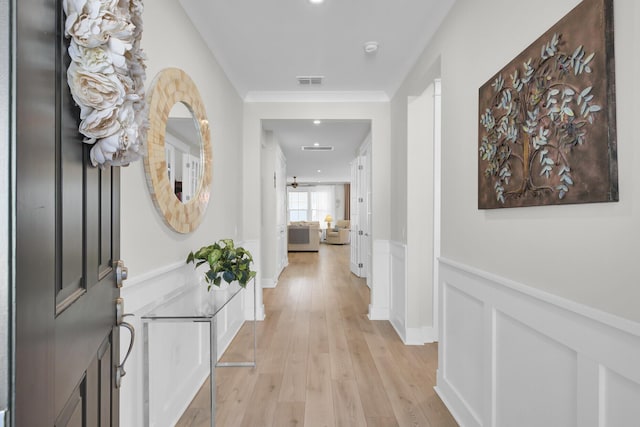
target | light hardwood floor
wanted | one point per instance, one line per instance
(321, 362)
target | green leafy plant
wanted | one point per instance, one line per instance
(225, 262)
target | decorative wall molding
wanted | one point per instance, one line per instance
(149, 275)
(507, 350)
(398, 288)
(253, 246)
(379, 307)
(399, 300)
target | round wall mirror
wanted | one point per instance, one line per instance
(178, 160)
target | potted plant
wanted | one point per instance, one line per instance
(225, 262)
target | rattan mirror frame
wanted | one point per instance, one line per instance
(169, 87)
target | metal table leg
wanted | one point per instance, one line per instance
(145, 374)
(213, 359)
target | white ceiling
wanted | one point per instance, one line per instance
(344, 135)
(263, 45)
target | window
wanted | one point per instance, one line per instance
(298, 202)
(311, 204)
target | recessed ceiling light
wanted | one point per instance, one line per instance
(319, 171)
(371, 47)
(317, 122)
(316, 144)
(316, 1)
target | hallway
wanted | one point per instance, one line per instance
(321, 362)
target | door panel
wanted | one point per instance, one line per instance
(71, 416)
(67, 240)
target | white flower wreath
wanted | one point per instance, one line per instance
(106, 77)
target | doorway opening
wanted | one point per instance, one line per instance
(416, 309)
(308, 168)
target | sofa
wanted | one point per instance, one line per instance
(303, 236)
(340, 234)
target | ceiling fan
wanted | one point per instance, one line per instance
(296, 184)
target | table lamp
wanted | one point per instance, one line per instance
(328, 219)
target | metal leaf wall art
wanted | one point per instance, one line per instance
(547, 120)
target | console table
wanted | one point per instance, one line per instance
(195, 304)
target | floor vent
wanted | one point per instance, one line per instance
(310, 80)
(317, 148)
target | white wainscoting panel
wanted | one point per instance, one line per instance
(463, 361)
(253, 246)
(179, 352)
(379, 307)
(398, 288)
(516, 370)
(512, 355)
(621, 400)
(398, 299)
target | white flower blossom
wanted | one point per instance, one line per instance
(93, 60)
(106, 77)
(93, 91)
(100, 123)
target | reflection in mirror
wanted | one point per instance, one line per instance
(183, 151)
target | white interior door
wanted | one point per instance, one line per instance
(365, 215)
(281, 212)
(361, 252)
(355, 218)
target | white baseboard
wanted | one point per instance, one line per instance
(452, 410)
(378, 313)
(415, 336)
(420, 336)
(507, 350)
(269, 283)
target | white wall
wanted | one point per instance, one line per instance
(142, 227)
(155, 254)
(596, 264)
(513, 257)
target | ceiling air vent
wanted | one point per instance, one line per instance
(317, 148)
(310, 80)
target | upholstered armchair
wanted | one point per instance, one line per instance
(340, 235)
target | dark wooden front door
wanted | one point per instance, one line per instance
(66, 241)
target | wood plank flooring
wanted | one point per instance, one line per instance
(321, 361)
